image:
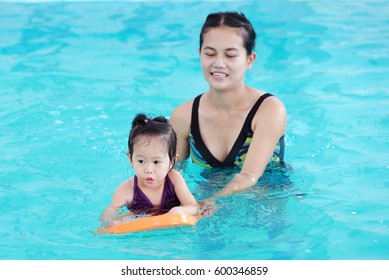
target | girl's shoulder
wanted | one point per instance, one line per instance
(129, 182)
(124, 193)
(174, 175)
(177, 180)
(126, 186)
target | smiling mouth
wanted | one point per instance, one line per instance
(219, 74)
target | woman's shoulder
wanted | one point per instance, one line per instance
(183, 109)
(181, 116)
(272, 111)
(270, 103)
(274, 105)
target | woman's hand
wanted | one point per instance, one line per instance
(239, 182)
(207, 207)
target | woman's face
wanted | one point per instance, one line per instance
(223, 58)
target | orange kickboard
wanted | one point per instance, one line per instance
(153, 222)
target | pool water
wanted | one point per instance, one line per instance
(74, 74)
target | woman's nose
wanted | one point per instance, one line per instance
(219, 62)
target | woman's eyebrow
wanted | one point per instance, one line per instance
(232, 49)
(228, 49)
(209, 48)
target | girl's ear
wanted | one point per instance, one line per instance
(172, 163)
(129, 156)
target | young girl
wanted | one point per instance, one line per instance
(156, 187)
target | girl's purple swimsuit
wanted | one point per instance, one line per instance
(141, 203)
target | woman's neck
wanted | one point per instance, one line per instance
(228, 99)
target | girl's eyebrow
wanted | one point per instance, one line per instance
(157, 157)
(142, 156)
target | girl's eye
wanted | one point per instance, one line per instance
(141, 161)
(157, 162)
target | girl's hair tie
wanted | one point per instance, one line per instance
(140, 120)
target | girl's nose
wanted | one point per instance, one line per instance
(148, 169)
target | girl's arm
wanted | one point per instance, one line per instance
(188, 202)
(123, 194)
(269, 125)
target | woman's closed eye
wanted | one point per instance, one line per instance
(227, 55)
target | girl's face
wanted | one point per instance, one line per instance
(223, 58)
(150, 161)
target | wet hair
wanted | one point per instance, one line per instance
(231, 19)
(156, 127)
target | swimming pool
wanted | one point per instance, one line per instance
(73, 75)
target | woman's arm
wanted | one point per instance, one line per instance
(269, 124)
(180, 121)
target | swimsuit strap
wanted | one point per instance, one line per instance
(245, 132)
(169, 196)
(140, 201)
(240, 141)
(254, 109)
(194, 125)
(198, 140)
(195, 116)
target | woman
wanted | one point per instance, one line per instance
(231, 124)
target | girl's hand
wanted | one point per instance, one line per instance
(188, 209)
(176, 210)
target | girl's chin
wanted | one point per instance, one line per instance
(150, 183)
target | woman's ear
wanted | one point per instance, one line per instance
(250, 60)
